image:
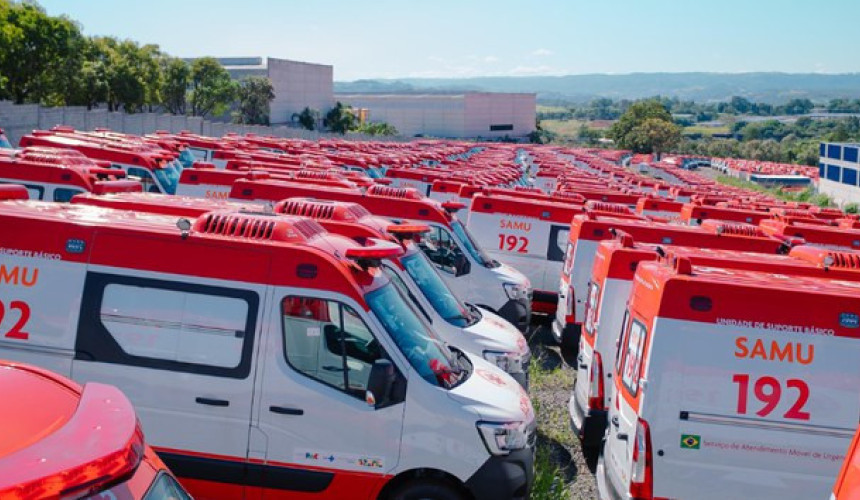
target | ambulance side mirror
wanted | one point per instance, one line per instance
(461, 265)
(380, 383)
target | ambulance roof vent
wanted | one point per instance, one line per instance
(316, 174)
(393, 192)
(600, 206)
(257, 226)
(842, 260)
(322, 209)
(794, 212)
(738, 230)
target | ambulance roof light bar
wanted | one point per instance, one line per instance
(372, 254)
(407, 232)
(453, 207)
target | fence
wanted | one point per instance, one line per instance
(21, 119)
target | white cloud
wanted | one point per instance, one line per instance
(491, 59)
(542, 53)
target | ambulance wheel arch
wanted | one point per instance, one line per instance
(424, 483)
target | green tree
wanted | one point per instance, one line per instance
(255, 94)
(174, 92)
(307, 119)
(655, 136)
(340, 119)
(35, 50)
(380, 128)
(212, 90)
(631, 131)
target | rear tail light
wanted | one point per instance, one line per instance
(641, 478)
(596, 394)
(570, 301)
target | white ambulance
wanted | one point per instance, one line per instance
(264, 355)
(586, 231)
(463, 325)
(465, 266)
(728, 387)
(525, 235)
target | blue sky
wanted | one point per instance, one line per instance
(463, 38)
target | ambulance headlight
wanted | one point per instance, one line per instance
(510, 362)
(503, 438)
(515, 291)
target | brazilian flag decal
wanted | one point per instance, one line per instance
(690, 441)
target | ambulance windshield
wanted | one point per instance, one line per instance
(474, 250)
(4, 143)
(432, 359)
(168, 177)
(435, 290)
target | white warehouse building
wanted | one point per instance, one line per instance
(487, 115)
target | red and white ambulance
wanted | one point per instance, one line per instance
(847, 485)
(586, 231)
(264, 355)
(468, 270)
(823, 236)
(463, 325)
(64, 440)
(611, 282)
(728, 387)
(693, 214)
(157, 170)
(528, 236)
(51, 179)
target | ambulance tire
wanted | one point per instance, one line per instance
(570, 339)
(421, 489)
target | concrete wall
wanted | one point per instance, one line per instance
(469, 115)
(841, 194)
(413, 114)
(20, 120)
(485, 110)
(298, 85)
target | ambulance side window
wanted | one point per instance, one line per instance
(622, 340)
(63, 195)
(441, 248)
(167, 325)
(329, 342)
(633, 357)
(558, 238)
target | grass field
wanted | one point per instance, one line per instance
(705, 131)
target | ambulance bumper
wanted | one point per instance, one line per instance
(588, 424)
(518, 313)
(604, 490)
(504, 477)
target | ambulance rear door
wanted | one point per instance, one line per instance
(750, 410)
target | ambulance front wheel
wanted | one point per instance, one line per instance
(421, 489)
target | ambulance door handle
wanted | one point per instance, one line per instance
(281, 410)
(212, 402)
(615, 422)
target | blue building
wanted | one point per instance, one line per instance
(838, 168)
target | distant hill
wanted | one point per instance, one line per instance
(775, 88)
